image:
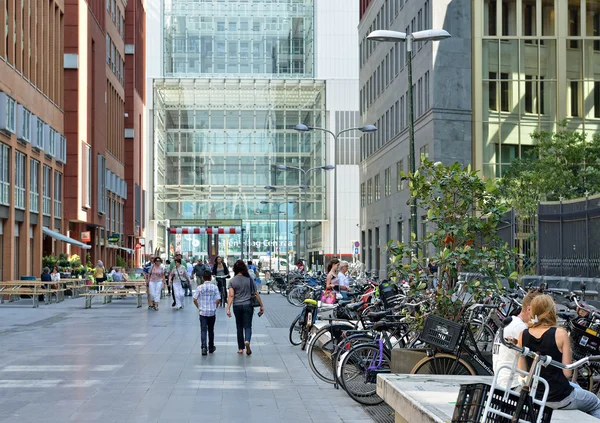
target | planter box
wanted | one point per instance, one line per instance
(403, 360)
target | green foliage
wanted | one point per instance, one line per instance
(121, 262)
(562, 164)
(462, 214)
(88, 260)
(49, 261)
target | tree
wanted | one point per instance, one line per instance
(463, 212)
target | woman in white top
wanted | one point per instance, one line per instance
(343, 280)
(157, 274)
(176, 277)
(55, 275)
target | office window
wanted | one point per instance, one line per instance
(529, 21)
(574, 26)
(420, 98)
(34, 188)
(20, 167)
(504, 93)
(426, 15)
(388, 182)
(9, 121)
(101, 184)
(509, 17)
(369, 191)
(399, 170)
(4, 176)
(493, 92)
(397, 118)
(88, 177)
(574, 99)
(57, 195)
(426, 93)
(490, 11)
(47, 191)
(595, 29)
(420, 22)
(377, 184)
(597, 99)
(24, 131)
(363, 195)
(402, 113)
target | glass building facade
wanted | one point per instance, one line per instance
(539, 63)
(217, 142)
(270, 38)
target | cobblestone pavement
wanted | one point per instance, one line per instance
(117, 363)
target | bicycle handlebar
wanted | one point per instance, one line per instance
(546, 360)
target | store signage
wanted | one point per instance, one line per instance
(210, 223)
(114, 238)
(86, 236)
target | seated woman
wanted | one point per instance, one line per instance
(545, 338)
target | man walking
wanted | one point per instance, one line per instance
(206, 300)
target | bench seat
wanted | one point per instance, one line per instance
(109, 293)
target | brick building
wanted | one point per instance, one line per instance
(100, 128)
(32, 142)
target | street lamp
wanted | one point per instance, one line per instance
(394, 37)
(364, 129)
(304, 185)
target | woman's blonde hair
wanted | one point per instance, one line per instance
(543, 311)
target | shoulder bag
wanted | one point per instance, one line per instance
(253, 298)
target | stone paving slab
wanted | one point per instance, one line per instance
(117, 363)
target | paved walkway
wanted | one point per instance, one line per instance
(117, 363)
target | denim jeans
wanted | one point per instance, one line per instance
(579, 399)
(243, 322)
(207, 324)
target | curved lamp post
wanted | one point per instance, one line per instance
(394, 37)
(364, 129)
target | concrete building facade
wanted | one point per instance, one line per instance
(512, 67)
(32, 143)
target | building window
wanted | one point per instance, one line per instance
(574, 97)
(47, 192)
(88, 177)
(34, 186)
(426, 94)
(101, 184)
(504, 92)
(574, 26)
(420, 98)
(363, 195)
(529, 20)
(493, 92)
(57, 195)
(369, 191)
(377, 183)
(10, 122)
(20, 161)
(596, 30)
(400, 231)
(4, 176)
(424, 153)
(597, 99)
(388, 181)
(399, 171)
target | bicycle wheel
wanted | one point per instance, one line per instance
(343, 348)
(584, 377)
(443, 364)
(296, 296)
(321, 350)
(359, 372)
(484, 337)
(295, 331)
(276, 288)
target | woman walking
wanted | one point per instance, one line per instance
(177, 276)
(100, 272)
(221, 274)
(157, 274)
(241, 290)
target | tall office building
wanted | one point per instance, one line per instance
(511, 67)
(233, 80)
(104, 76)
(32, 142)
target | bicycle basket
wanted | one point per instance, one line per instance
(472, 399)
(585, 341)
(441, 333)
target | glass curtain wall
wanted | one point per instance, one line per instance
(521, 90)
(239, 37)
(217, 143)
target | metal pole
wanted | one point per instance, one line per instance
(287, 234)
(335, 186)
(411, 136)
(277, 240)
(242, 249)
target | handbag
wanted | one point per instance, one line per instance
(253, 299)
(328, 297)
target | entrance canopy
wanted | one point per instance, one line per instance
(64, 238)
(223, 230)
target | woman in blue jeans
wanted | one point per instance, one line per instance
(241, 289)
(545, 338)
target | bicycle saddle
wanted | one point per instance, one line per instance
(355, 306)
(384, 325)
(344, 303)
(376, 316)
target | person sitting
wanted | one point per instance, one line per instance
(545, 338)
(504, 356)
(343, 280)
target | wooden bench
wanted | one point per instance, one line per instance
(110, 289)
(76, 289)
(431, 398)
(11, 289)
